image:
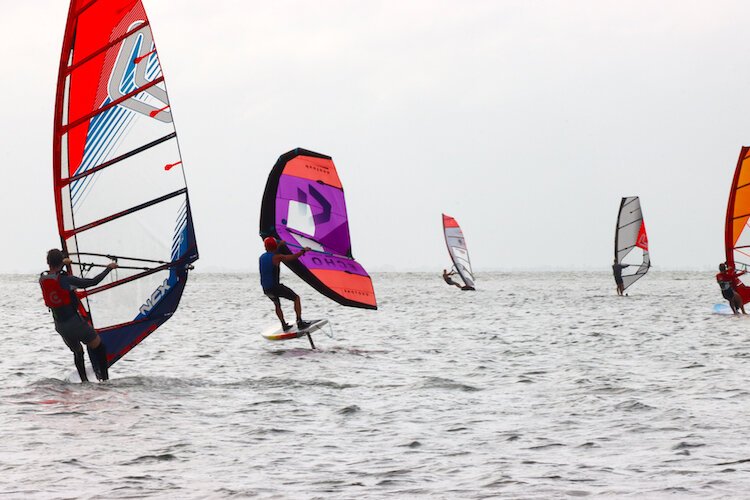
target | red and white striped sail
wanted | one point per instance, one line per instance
(119, 183)
(454, 240)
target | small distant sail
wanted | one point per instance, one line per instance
(736, 233)
(631, 241)
(304, 206)
(454, 239)
(119, 184)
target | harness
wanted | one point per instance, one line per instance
(57, 298)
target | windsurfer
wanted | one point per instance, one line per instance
(728, 279)
(447, 277)
(617, 271)
(58, 290)
(270, 267)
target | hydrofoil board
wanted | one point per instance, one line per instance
(275, 332)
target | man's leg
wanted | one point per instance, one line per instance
(287, 293)
(78, 358)
(733, 305)
(738, 303)
(280, 315)
(298, 308)
(80, 364)
(301, 324)
(98, 356)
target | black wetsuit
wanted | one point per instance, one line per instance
(617, 271)
(74, 329)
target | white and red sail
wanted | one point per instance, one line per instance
(119, 184)
(631, 241)
(456, 243)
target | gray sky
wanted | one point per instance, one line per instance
(525, 120)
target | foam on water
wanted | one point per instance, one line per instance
(535, 386)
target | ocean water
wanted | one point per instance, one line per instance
(538, 385)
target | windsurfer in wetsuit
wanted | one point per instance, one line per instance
(58, 290)
(617, 271)
(447, 277)
(728, 279)
(270, 268)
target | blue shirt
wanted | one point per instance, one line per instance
(269, 274)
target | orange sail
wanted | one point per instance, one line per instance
(737, 233)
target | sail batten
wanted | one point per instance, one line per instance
(303, 205)
(456, 243)
(118, 176)
(630, 234)
(83, 119)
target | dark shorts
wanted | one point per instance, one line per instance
(450, 281)
(74, 331)
(619, 282)
(728, 294)
(280, 291)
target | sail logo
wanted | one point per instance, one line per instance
(642, 240)
(137, 65)
(333, 262)
(158, 294)
(325, 205)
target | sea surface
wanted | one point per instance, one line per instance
(537, 385)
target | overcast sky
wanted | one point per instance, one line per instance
(525, 120)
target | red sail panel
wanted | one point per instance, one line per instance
(353, 288)
(737, 235)
(642, 241)
(449, 221)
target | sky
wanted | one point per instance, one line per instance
(525, 120)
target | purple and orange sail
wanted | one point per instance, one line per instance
(303, 205)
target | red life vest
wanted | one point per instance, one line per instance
(55, 296)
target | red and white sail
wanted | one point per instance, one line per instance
(119, 183)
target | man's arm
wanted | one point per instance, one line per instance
(279, 258)
(87, 282)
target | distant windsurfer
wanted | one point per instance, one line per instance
(58, 290)
(270, 268)
(617, 271)
(447, 277)
(728, 279)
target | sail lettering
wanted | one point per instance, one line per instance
(158, 294)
